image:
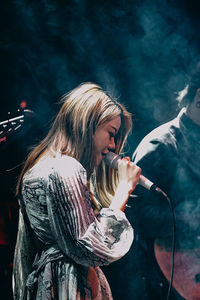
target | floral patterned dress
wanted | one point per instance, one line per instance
(73, 241)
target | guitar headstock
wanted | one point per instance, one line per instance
(13, 123)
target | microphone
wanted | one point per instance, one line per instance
(111, 159)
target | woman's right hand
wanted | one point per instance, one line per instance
(128, 175)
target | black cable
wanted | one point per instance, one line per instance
(173, 239)
(111, 159)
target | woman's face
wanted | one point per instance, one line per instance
(104, 138)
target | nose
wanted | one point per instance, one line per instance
(112, 143)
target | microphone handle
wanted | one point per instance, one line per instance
(147, 184)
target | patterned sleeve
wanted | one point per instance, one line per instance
(86, 239)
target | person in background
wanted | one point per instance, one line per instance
(71, 204)
(170, 157)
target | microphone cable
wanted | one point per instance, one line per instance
(173, 239)
(111, 159)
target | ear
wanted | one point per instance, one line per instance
(197, 99)
(197, 95)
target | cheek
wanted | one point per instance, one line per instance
(101, 140)
(100, 143)
(96, 142)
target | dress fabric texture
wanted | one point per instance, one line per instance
(59, 254)
(169, 156)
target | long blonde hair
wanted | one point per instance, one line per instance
(84, 109)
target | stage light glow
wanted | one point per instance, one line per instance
(23, 104)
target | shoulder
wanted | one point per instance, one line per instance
(61, 165)
(159, 142)
(163, 134)
(67, 166)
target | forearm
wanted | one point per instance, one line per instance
(121, 196)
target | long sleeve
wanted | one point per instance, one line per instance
(74, 241)
(23, 258)
(85, 238)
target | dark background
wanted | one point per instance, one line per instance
(139, 51)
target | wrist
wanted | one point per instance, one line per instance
(121, 196)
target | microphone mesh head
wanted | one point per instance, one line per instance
(111, 160)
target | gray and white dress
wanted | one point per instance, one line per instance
(74, 241)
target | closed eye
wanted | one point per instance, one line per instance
(112, 135)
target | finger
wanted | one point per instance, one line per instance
(131, 164)
(134, 167)
(123, 162)
(122, 165)
(137, 171)
(126, 158)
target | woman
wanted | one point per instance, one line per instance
(71, 204)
